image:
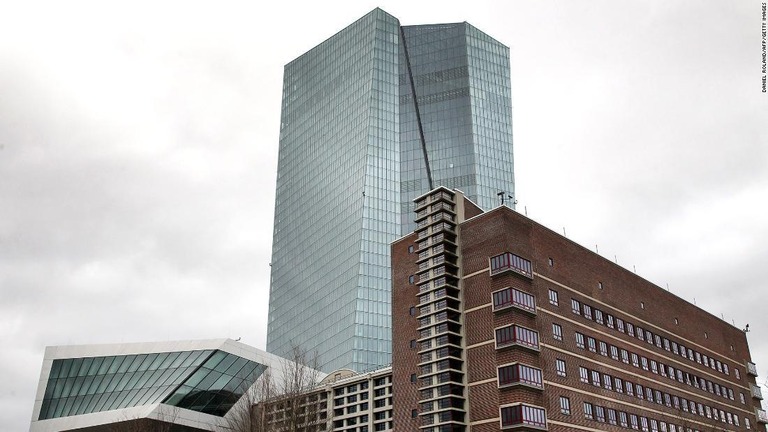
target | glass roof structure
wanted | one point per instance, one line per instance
(207, 381)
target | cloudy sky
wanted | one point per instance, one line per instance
(138, 149)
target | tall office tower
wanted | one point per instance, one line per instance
(356, 147)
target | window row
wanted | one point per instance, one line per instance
(618, 385)
(659, 368)
(351, 388)
(350, 399)
(633, 421)
(608, 320)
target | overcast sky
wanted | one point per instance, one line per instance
(138, 154)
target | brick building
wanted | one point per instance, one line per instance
(499, 322)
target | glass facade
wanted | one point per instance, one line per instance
(462, 82)
(351, 161)
(208, 381)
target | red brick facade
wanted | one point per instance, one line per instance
(631, 333)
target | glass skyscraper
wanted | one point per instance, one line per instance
(373, 117)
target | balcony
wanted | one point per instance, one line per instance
(761, 416)
(511, 262)
(751, 369)
(511, 297)
(756, 392)
(523, 417)
(520, 374)
(515, 335)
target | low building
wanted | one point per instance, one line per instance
(345, 401)
(501, 323)
(189, 385)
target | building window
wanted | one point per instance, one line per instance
(630, 329)
(603, 348)
(414, 413)
(510, 261)
(611, 416)
(600, 285)
(560, 367)
(413, 343)
(410, 249)
(516, 335)
(557, 331)
(551, 262)
(610, 321)
(588, 411)
(520, 374)
(412, 311)
(579, 340)
(623, 419)
(509, 297)
(523, 415)
(583, 374)
(620, 325)
(607, 383)
(565, 405)
(619, 384)
(635, 360)
(591, 344)
(553, 298)
(410, 279)
(624, 356)
(600, 414)
(588, 312)
(614, 352)
(576, 306)
(598, 316)
(596, 378)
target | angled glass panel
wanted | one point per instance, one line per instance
(93, 384)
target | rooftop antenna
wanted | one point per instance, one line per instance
(596, 251)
